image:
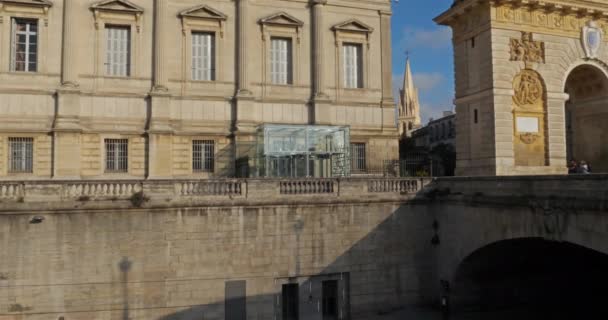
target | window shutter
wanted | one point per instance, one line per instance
(203, 60)
(13, 43)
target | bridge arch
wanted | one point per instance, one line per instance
(586, 115)
(531, 278)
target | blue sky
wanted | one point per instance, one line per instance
(430, 48)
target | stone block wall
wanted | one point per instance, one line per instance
(174, 263)
(91, 155)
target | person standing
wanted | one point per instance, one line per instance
(583, 168)
(573, 167)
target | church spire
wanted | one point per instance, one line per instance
(409, 106)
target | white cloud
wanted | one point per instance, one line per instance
(413, 38)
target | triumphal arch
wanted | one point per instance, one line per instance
(531, 85)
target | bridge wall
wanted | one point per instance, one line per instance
(475, 212)
(99, 252)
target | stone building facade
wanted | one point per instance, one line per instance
(166, 88)
(436, 132)
(531, 80)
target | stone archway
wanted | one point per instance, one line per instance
(587, 116)
(531, 278)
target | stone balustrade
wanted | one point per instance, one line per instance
(209, 187)
(393, 185)
(11, 190)
(101, 189)
(307, 186)
(27, 195)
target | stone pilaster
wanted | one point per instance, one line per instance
(160, 132)
(67, 130)
(160, 76)
(320, 100)
(387, 66)
(319, 65)
(69, 76)
(243, 24)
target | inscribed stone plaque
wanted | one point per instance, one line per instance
(527, 124)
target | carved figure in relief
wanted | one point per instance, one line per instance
(528, 137)
(526, 49)
(528, 88)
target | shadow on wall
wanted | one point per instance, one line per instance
(383, 272)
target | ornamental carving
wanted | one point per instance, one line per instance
(592, 40)
(556, 20)
(526, 49)
(528, 88)
(528, 137)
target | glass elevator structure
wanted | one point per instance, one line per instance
(300, 151)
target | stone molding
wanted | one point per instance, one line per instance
(202, 15)
(121, 7)
(119, 193)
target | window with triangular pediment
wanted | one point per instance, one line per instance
(27, 25)
(281, 33)
(352, 48)
(203, 31)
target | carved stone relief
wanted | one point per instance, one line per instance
(556, 20)
(592, 38)
(528, 88)
(526, 49)
(528, 137)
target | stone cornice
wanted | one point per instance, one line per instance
(203, 12)
(123, 6)
(353, 25)
(34, 3)
(583, 9)
(282, 19)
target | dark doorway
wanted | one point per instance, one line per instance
(236, 300)
(290, 301)
(330, 300)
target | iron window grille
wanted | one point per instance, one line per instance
(358, 157)
(24, 43)
(203, 152)
(21, 155)
(117, 155)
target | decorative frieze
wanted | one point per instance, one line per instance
(526, 49)
(559, 20)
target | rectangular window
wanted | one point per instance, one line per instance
(290, 301)
(353, 66)
(118, 51)
(21, 151)
(203, 152)
(203, 56)
(24, 43)
(358, 157)
(117, 155)
(281, 61)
